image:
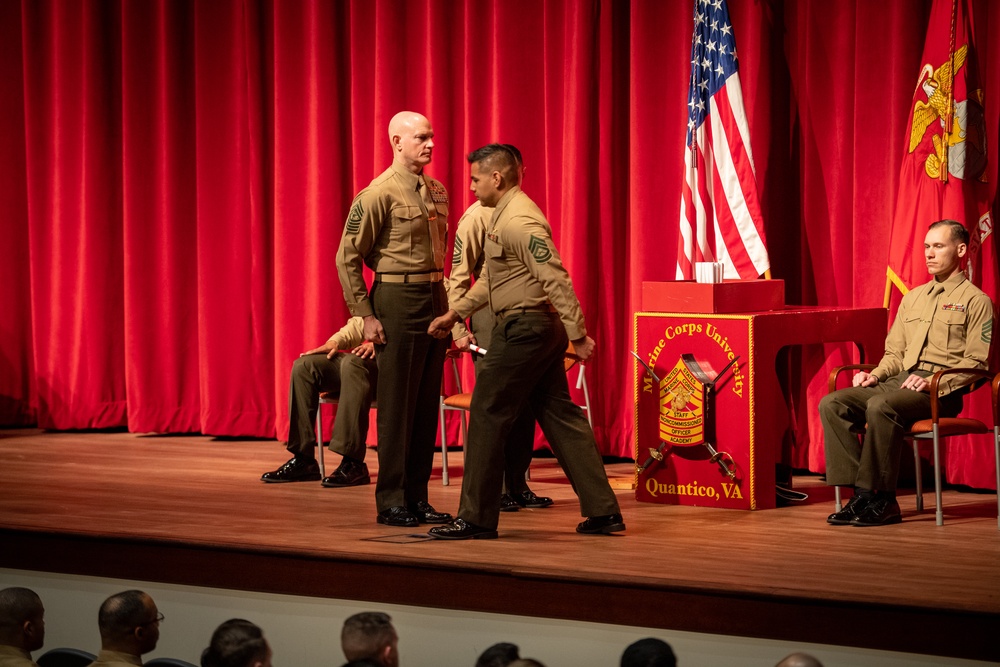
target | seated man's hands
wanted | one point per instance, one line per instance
(326, 348)
(366, 350)
(864, 379)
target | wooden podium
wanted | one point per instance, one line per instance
(717, 323)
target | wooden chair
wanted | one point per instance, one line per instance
(462, 401)
(325, 398)
(937, 428)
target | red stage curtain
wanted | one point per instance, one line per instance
(174, 176)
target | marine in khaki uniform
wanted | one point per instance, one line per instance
(466, 266)
(946, 323)
(396, 227)
(344, 365)
(530, 293)
(22, 626)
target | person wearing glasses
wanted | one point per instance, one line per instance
(22, 626)
(129, 623)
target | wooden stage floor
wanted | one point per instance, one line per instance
(191, 510)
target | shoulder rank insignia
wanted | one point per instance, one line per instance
(354, 218)
(456, 257)
(539, 249)
(438, 194)
(987, 333)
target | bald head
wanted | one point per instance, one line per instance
(412, 139)
(129, 622)
(800, 660)
(22, 619)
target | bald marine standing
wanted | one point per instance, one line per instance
(396, 227)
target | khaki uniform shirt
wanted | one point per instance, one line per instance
(467, 259)
(11, 656)
(523, 269)
(116, 659)
(393, 227)
(959, 336)
(350, 335)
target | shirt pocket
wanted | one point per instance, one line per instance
(955, 322)
(408, 227)
(496, 258)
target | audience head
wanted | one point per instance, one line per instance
(649, 652)
(237, 643)
(800, 660)
(22, 619)
(370, 636)
(526, 662)
(129, 623)
(498, 655)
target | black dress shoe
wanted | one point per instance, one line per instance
(881, 510)
(507, 504)
(854, 506)
(348, 473)
(296, 469)
(427, 514)
(602, 525)
(529, 499)
(460, 529)
(397, 516)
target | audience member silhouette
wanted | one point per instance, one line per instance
(370, 635)
(799, 660)
(498, 655)
(22, 626)
(129, 623)
(649, 652)
(237, 643)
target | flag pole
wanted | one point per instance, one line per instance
(949, 114)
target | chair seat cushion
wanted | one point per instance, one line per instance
(462, 401)
(950, 426)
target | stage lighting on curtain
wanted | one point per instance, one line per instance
(720, 210)
(943, 176)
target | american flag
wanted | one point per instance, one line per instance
(720, 210)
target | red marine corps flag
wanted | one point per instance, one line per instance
(943, 176)
(944, 168)
(720, 210)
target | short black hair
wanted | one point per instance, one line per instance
(18, 605)
(496, 157)
(498, 655)
(235, 643)
(365, 634)
(517, 154)
(958, 231)
(649, 652)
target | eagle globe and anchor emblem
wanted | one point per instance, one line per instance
(686, 406)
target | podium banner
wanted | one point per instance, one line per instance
(685, 414)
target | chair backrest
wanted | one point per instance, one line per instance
(65, 657)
